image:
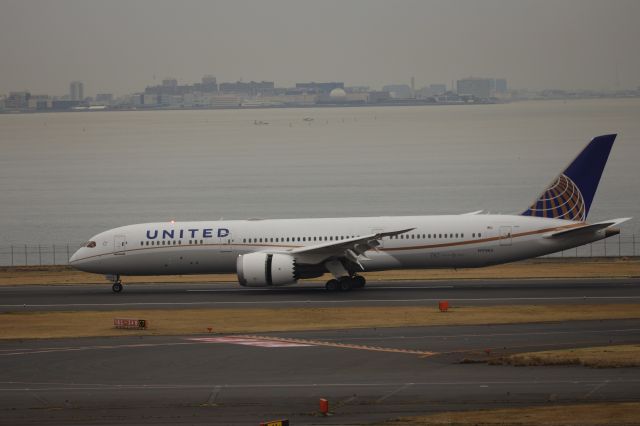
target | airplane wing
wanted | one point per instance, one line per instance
(589, 228)
(351, 249)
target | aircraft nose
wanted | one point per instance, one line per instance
(74, 260)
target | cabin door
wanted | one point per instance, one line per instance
(225, 240)
(505, 235)
(119, 243)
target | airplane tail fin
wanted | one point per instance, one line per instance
(570, 195)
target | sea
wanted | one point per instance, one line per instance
(67, 176)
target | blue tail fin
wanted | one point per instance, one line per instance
(570, 195)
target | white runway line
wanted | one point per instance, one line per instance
(33, 386)
(307, 301)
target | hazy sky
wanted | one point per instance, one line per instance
(119, 46)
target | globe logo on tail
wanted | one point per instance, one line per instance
(561, 200)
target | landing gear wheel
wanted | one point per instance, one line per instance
(116, 287)
(346, 284)
(359, 281)
(332, 285)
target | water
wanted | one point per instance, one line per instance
(67, 176)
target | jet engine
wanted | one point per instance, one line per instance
(266, 269)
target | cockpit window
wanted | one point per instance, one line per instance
(90, 244)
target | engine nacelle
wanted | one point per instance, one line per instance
(266, 269)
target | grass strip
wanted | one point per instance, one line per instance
(616, 356)
(554, 268)
(27, 325)
(619, 414)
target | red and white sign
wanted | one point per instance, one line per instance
(129, 323)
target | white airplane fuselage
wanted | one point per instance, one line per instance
(451, 241)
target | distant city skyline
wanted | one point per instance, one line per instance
(122, 46)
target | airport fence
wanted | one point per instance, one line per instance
(58, 254)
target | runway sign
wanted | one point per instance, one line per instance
(130, 323)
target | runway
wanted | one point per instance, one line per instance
(393, 293)
(367, 375)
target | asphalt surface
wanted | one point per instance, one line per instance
(396, 293)
(367, 375)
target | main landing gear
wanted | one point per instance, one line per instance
(346, 283)
(117, 283)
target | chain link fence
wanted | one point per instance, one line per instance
(37, 254)
(58, 254)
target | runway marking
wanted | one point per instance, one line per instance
(395, 391)
(34, 386)
(314, 289)
(597, 388)
(24, 351)
(533, 333)
(320, 302)
(343, 345)
(248, 341)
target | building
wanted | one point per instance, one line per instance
(375, 97)
(480, 88)
(170, 83)
(251, 88)
(17, 100)
(76, 91)
(437, 89)
(209, 84)
(104, 98)
(320, 88)
(150, 99)
(501, 85)
(64, 104)
(40, 102)
(399, 91)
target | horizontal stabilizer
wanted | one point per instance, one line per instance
(587, 228)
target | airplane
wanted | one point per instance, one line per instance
(279, 252)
